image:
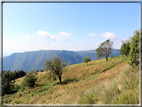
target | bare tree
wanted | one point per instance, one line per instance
(105, 49)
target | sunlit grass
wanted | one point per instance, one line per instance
(101, 82)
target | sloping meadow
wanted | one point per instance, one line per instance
(101, 82)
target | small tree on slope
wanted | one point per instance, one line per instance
(105, 49)
(54, 65)
(87, 59)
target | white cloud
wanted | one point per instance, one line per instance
(92, 34)
(97, 43)
(51, 36)
(28, 37)
(124, 39)
(93, 39)
(109, 35)
(42, 33)
(45, 34)
(61, 36)
(64, 34)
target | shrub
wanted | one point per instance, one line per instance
(37, 70)
(16, 88)
(29, 80)
(41, 70)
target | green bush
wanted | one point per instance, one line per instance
(29, 80)
(16, 88)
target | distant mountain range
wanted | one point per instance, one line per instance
(34, 60)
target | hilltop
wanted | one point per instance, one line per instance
(101, 82)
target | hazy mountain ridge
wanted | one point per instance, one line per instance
(33, 60)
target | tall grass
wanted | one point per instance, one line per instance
(123, 89)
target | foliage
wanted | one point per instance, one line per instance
(54, 65)
(37, 70)
(125, 47)
(134, 50)
(29, 80)
(87, 59)
(105, 49)
(41, 70)
(7, 82)
(16, 88)
(16, 74)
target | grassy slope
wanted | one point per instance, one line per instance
(99, 82)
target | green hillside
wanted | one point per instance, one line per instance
(34, 60)
(101, 82)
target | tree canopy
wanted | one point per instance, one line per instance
(134, 50)
(54, 65)
(125, 47)
(87, 59)
(7, 82)
(105, 49)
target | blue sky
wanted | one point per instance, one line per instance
(66, 26)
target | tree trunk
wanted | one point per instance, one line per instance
(106, 58)
(59, 78)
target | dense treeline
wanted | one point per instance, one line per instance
(15, 74)
(8, 80)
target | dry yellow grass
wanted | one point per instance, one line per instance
(19, 80)
(82, 77)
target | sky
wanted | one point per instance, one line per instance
(67, 26)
